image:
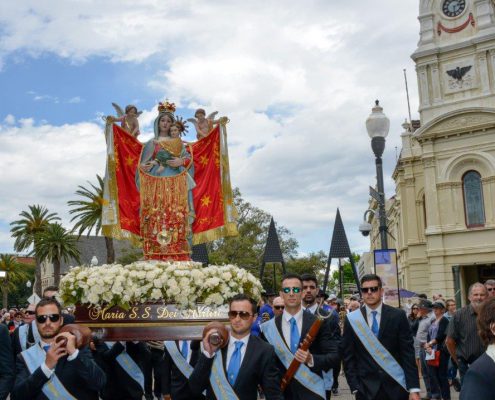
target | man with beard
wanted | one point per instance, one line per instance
(310, 303)
(55, 370)
(463, 341)
(219, 372)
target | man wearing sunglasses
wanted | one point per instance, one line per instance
(278, 306)
(54, 370)
(27, 334)
(378, 350)
(237, 369)
(287, 331)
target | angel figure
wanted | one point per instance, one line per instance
(128, 119)
(203, 123)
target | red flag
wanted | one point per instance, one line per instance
(127, 150)
(207, 195)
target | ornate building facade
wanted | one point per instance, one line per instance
(442, 217)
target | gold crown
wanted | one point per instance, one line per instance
(166, 107)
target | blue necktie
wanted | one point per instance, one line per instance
(185, 348)
(46, 348)
(235, 363)
(294, 336)
(374, 324)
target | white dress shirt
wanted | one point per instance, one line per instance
(231, 348)
(286, 324)
(312, 309)
(369, 315)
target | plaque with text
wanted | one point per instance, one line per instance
(149, 321)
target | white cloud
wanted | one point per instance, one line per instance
(9, 119)
(75, 100)
(297, 81)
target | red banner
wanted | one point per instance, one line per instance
(127, 150)
(207, 195)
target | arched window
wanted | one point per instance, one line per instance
(473, 199)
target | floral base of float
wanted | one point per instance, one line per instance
(154, 300)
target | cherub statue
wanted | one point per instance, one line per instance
(128, 119)
(203, 124)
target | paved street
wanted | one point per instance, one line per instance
(345, 393)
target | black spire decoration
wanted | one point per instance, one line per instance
(273, 252)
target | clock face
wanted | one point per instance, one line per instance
(453, 8)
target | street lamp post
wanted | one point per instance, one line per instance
(378, 126)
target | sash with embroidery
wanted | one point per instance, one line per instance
(53, 389)
(218, 380)
(129, 366)
(304, 375)
(379, 353)
(178, 359)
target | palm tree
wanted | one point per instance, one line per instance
(55, 243)
(88, 213)
(26, 230)
(14, 274)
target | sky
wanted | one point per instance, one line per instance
(296, 79)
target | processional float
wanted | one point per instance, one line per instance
(165, 196)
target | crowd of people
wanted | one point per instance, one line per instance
(383, 350)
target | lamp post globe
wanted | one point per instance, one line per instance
(28, 284)
(378, 125)
(94, 261)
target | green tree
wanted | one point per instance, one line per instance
(247, 248)
(18, 295)
(26, 230)
(55, 243)
(15, 274)
(88, 210)
(348, 277)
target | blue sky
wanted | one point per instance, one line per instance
(297, 83)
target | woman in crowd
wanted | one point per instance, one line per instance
(479, 379)
(437, 369)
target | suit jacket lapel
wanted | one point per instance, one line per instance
(307, 321)
(248, 355)
(383, 321)
(224, 358)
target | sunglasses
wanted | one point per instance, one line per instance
(490, 289)
(294, 289)
(29, 312)
(415, 308)
(373, 289)
(43, 318)
(242, 314)
(278, 307)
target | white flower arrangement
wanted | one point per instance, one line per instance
(184, 283)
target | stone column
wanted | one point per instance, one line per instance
(484, 80)
(456, 272)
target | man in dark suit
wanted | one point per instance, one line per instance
(124, 367)
(6, 363)
(311, 304)
(246, 362)
(293, 326)
(389, 326)
(174, 384)
(59, 369)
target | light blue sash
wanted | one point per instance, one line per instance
(379, 353)
(129, 366)
(23, 336)
(36, 334)
(304, 375)
(53, 389)
(178, 359)
(218, 381)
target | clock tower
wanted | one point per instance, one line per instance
(455, 58)
(444, 206)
